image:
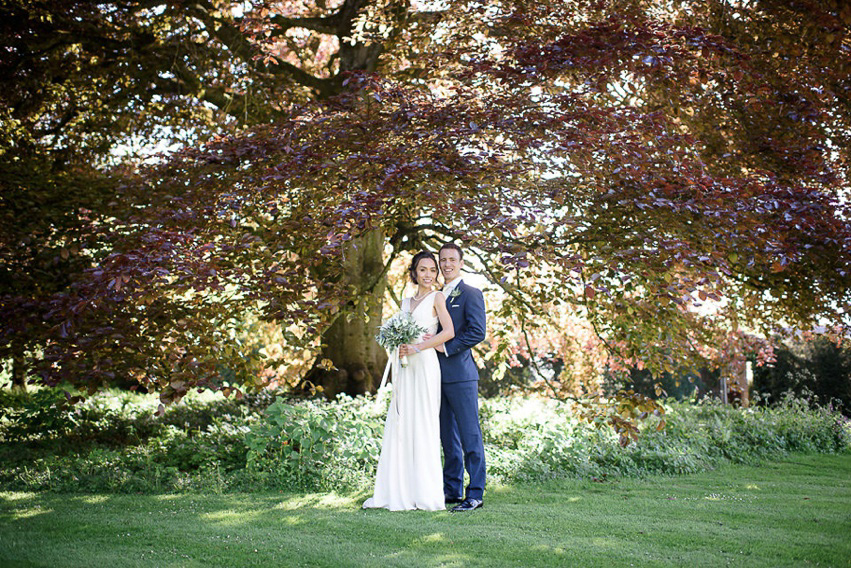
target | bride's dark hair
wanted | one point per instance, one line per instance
(412, 270)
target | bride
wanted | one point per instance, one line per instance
(410, 475)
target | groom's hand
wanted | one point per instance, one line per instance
(428, 336)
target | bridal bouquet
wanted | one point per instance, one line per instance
(398, 330)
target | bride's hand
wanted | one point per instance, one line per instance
(408, 349)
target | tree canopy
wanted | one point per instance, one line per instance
(675, 175)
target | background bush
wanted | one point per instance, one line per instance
(113, 442)
(818, 367)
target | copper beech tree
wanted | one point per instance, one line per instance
(84, 79)
(673, 175)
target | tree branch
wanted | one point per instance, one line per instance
(324, 24)
(556, 393)
(69, 115)
(232, 37)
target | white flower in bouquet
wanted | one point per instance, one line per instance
(399, 330)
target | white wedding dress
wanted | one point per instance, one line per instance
(410, 475)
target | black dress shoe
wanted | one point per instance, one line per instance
(468, 505)
(452, 500)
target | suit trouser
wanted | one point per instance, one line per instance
(461, 437)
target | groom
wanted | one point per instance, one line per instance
(460, 432)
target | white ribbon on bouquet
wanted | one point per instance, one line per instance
(394, 362)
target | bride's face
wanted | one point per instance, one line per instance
(426, 272)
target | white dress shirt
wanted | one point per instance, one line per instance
(447, 289)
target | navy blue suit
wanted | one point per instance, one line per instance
(460, 432)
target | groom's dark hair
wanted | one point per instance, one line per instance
(452, 246)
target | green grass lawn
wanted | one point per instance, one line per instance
(795, 512)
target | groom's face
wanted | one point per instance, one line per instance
(450, 264)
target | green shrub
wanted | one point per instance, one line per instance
(113, 442)
(116, 444)
(816, 367)
(315, 444)
(528, 439)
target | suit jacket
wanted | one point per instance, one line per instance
(467, 310)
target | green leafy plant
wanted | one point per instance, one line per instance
(222, 445)
(313, 444)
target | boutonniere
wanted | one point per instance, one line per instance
(454, 293)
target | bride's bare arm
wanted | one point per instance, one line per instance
(448, 331)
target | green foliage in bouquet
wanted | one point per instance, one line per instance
(398, 330)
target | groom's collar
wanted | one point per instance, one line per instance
(452, 285)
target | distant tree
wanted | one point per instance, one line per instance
(804, 368)
(831, 365)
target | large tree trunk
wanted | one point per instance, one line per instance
(350, 341)
(19, 368)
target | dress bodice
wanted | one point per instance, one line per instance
(423, 313)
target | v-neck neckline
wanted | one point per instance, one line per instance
(420, 303)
